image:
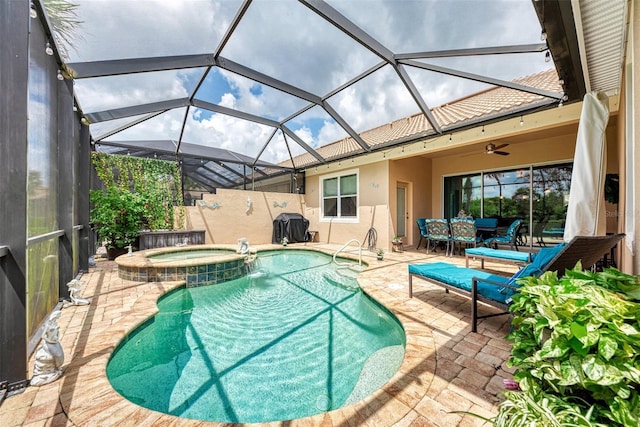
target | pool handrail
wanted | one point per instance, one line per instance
(343, 247)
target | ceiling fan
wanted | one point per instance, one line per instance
(492, 148)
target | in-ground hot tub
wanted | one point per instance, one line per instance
(196, 265)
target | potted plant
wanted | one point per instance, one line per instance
(380, 254)
(284, 241)
(397, 244)
(117, 217)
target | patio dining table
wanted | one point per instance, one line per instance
(486, 232)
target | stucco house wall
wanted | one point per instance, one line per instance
(373, 205)
(227, 216)
(232, 214)
(414, 173)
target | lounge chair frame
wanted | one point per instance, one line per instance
(586, 249)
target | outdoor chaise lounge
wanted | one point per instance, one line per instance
(483, 253)
(496, 290)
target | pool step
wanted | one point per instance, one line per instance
(342, 279)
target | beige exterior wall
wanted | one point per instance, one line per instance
(415, 175)
(556, 149)
(227, 215)
(373, 205)
(630, 261)
(538, 150)
(623, 254)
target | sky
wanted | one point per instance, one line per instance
(286, 40)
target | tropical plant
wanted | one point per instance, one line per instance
(116, 216)
(156, 182)
(576, 350)
(541, 410)
(64, 21)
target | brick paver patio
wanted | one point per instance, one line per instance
(446, 369)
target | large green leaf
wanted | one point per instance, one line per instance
(607, 347)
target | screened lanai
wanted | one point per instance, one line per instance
(243, 94)
(241, 91)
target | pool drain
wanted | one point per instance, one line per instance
(323, 403)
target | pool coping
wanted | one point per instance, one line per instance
(200, 271)
(140, 259)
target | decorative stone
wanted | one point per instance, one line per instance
(74, 289)
(49, 356)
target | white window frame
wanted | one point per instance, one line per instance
(341, 219)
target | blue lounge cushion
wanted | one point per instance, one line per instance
(486, 222)
(500, 253)
(539, 264)
(461, 278)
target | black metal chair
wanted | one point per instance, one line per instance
(422, 226)
(510, 237)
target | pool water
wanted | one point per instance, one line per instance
(283, 343)
(189, 254)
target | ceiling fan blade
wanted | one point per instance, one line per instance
(501, 153)
(498, 147)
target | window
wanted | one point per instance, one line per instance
(340, 196)
(506, 194)
(463, 193)
(536, 194)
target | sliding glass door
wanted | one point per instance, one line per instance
(536, 194)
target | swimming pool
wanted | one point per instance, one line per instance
(288, 341)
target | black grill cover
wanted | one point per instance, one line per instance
(293, 226)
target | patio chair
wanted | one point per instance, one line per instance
(496, 290)
(510, 237)
(538, 229)
(486, 227)
(437, 232)
(422, 226)
(463, 232)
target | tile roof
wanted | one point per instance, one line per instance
(488, 103)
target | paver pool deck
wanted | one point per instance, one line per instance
(447, 369)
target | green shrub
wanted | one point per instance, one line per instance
(139, 194)
(576, 349)
(116, 216)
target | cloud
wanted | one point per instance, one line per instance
(378, 99)
(119, 29)
(418, 26)
(256, 98)
(287, 41)
(106, 93)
